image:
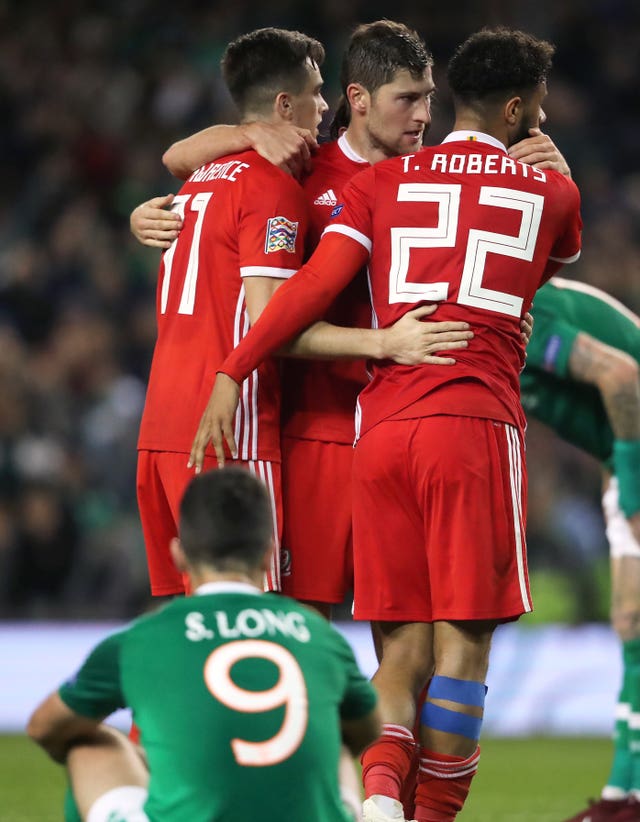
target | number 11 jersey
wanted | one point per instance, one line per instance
(243, 217)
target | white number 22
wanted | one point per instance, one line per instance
(480, 243)
(290, 690)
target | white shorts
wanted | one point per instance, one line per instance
(622, 543)
(126, 804)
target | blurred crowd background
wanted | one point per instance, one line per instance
(91, 93)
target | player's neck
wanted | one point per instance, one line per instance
(469, 123)
(202, 576)
(360, 143)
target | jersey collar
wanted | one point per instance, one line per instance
(349, 153)
(476, 136)
(226, 588)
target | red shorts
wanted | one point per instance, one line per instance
(439, 509)
(161, 481)
(317, 548)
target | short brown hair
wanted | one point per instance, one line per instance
(257, 66)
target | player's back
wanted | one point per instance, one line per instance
(562, 309)
(238, 696)
(464, 225)
(242, 217)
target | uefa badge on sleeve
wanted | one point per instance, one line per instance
(281, 235)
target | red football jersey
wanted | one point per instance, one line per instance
(319, 396)
(243, 217)
(462, 224)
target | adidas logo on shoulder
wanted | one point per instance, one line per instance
(328, 198)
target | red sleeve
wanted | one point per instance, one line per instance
(297, 303)
(272, 227)
(566, 249)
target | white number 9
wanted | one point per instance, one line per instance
(290, 690)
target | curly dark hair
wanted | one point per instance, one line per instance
(497, 61)
(375, 52)
(259, 65)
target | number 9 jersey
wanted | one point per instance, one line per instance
(238, 697)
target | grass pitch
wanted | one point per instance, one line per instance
(519, 780)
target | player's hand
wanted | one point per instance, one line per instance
(540, 151)
(284, 145)
(153, 224)
(634, 524)
(412, 341)
(526, 328)
(217, 423)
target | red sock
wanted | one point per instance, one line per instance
(408, 789)
(443, 785)
(386, 763)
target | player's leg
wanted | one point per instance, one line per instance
(159, 521)
(452, 718)
(391, 579)
(109, 779)
(473, 495)
(405, 664)
(317, 547)
(622, 789)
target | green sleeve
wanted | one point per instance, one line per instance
(359, 696)
(551, 343)
(95, 690)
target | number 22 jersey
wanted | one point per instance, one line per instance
(464, 225)
(243, 217)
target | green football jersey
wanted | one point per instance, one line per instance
(238, 697)
(562, 309)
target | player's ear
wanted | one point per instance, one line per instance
(178, 555)
(358, 97)
(513, 111)
(283, 106)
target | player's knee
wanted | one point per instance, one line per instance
(625, 620)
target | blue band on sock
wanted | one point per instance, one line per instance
(463, 691)
(451, 722)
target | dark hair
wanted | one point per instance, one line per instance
(225, 520)
(257, 66)
(376, 51)
(496, 62)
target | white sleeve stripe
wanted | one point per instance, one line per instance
(267, 271)
(565, 259)
(350, 232)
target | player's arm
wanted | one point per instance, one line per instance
(410, 341)
(616, 376)
(57, 728)
(540, 151)
(153, 223)
(301, 300)
(284, 145)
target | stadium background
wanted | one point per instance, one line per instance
(91, 93)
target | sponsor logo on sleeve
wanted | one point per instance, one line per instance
(281, 235)
(337, 210)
